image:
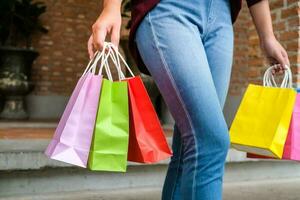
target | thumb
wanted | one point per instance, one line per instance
(115, 35)
(280, 59)
(285, 57)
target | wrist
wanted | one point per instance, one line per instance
(112, 4)
(266, 37)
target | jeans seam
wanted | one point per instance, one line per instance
(180, 154)
(179, 97)
(209, 21)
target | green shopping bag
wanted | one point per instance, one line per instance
(111, 132)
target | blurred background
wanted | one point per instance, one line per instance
(43, 52)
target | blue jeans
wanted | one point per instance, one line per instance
(187, 47)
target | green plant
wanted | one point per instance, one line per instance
(19, 19)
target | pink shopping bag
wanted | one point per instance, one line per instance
(73, 135)
(65, 116)
(292, 144)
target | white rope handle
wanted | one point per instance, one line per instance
(105, 64)
(116, 60)
(118, 55)
(117, 65)
(91, 67)
(107, 69)
(91, 62)
(102, 55)
(109, 51)
(269, 80)
(113, 56)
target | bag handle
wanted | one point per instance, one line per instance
(106, 66)
(119, 70)
(104, 63)
(109, 51)
(91, 62)
(91, 66)
(269, 80)
(116, 55)
(102, 56)
(117, 65)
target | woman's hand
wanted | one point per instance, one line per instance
(275, 53)
(109, 22)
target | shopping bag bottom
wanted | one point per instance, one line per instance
(62, 152)
(255, 150)
(107, 162)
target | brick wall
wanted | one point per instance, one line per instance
(240, 60)
(249, 62)
(63, 52)
(64, 56)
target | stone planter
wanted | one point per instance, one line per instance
(15, 84)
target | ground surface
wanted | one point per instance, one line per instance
(285, 189)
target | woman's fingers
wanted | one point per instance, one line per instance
(99, 35)
(276, 54)
(97, 39)
(280, 59)
(108, 23)
(115, 35)
(90, 47)
(286, 57)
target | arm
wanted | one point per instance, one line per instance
(261, 17)
(109, 22)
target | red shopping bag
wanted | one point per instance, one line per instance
(147, 141)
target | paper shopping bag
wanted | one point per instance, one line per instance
(147, 141)
(73, 135)
(71, 143)
(262, 121)
(292, 144)
(109, 147)
(63, 120)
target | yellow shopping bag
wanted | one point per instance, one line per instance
(262, 121)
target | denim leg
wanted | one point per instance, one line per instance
(172, 49)
(171, 189)
(218, 44)
(219, 52)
